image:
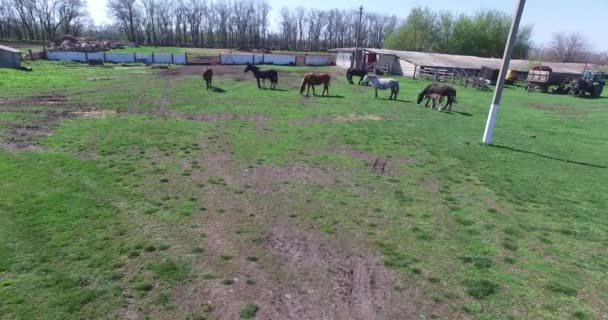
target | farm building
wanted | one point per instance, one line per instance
(9, 57)
(411, 63)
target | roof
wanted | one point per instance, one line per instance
(472, 62)
(9, 49)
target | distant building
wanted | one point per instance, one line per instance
(410, 63)
(9, 57)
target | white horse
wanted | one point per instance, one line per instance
(383, 84)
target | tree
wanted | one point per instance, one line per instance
(418, 33)
(125, 12)
(569, 47)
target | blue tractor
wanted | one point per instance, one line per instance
(590, 82)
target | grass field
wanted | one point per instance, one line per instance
(133, 193)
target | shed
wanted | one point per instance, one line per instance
(10, 57)
(410, 63)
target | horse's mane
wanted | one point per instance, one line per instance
(303, 85)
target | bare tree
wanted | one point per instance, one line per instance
(569, 47)
(125, 11)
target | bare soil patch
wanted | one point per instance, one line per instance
(340, 118)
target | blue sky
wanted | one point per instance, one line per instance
(548, 16)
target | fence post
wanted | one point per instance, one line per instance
(172, 61)
(263, 58)
(415, 70)
(253, 58)
(104, 57)
(134, 57)
(86, 57)
(186, 57)
(220, 58)
(153, 57)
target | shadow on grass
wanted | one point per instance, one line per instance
(466, 114)
(218, 90)
(549, 157)
(331, 97)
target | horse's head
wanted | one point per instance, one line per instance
(422, 95)
(366, 80)
(249, 67)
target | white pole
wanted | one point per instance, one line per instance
(489, 131)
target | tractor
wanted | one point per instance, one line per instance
(590, 82)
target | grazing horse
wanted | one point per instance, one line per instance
(436, 98)
(313, 79)
(350, 73)
(439, 89)
(264, 74)
(383, 84)
(208, 76)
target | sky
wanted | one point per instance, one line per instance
(547, 16)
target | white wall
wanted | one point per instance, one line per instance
(343, 59)
(407, 68)
(66, 56)
(236, 58)
(178, 58)
(319, 60)
(278, 59)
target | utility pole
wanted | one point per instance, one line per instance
(489, 131)
(355, 64)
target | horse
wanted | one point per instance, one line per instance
(264, 74)
(440, 89)
(313, 79)
(354, 72)
(208, 76)
(383, 84)
(436, 98)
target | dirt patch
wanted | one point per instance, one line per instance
(39, 100)
(339, 118)
(209, 117)
(351, 285)
(354, 117)
(95, 113)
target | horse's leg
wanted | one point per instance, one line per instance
(313, 90)
(259, 86)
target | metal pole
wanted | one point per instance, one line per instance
(489, 131)
(355, 64)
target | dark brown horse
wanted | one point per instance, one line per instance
(441, 90)
(208, 76)
(350, 73)
(263, 74)
(313, 79)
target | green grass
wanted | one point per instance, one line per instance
(510, 230)
(248, 311)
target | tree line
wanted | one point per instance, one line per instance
(197, 23)
(41, 20)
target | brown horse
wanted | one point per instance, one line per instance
(208, 76)
(313, 79)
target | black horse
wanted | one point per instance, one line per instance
(264, 74)
(350, 73)
(441, 90)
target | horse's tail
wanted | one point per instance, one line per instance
(303, 85)
(275, 78)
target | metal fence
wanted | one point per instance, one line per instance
(168, 58)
